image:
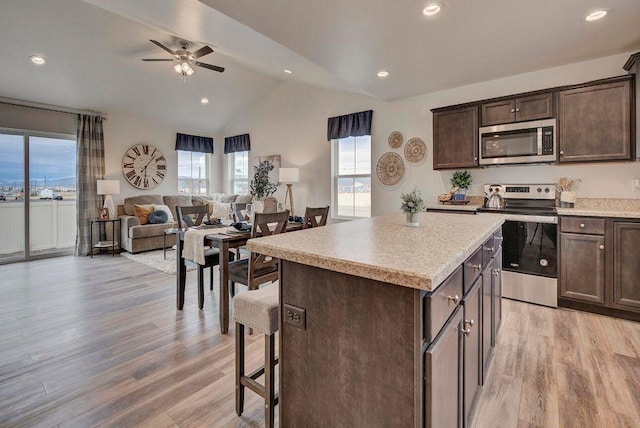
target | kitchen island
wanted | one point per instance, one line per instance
(384, 324)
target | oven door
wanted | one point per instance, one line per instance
(530, 245)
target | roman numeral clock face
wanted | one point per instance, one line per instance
(144, 166)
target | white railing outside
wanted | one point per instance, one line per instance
(53, 225)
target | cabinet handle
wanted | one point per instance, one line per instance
(496, 273)
(477, 267)
(498, 238)
(469, 323)
(475, 158)
(489, 249)
(561, 152)
(517, 109)
(513, 110)
(602, 247)
(453, 299)
(581, 225)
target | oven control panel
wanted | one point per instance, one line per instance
(522, 191)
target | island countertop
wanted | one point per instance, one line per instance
(385, 249)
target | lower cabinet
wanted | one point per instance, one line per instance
(472, 331)
(443, 378)
(496, 296)
(626, 269)
(582, 270)
(487, 316)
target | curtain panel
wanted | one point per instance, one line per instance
(349, 125)
(193, 143)
(89, 169)
(238, 143)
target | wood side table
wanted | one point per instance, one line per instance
(100, 245)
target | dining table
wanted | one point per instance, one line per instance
(224, 239)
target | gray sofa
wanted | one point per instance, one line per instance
(136, 237)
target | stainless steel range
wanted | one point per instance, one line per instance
(529, 249)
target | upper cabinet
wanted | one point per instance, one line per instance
(595, 122)
(455, 138)
(520, 109)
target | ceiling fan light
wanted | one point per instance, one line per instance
(189, 71)
(177, 68)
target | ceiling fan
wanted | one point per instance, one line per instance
(185, 59)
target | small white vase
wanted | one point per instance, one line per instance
(412, 219)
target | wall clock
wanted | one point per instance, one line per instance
(144, 166)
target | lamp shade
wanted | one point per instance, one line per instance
(108, 187)
(289, 175)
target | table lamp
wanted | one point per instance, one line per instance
(108, 188)
(289, 176)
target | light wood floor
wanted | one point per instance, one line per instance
(98, 342)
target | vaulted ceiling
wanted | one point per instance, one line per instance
(93, 49)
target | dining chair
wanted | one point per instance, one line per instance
(270, 204)
(193, 216)
(237, 209)
(257, 268)
(314, 217)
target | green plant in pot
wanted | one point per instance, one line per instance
(260, 186)
(412, 204)
(462, 180)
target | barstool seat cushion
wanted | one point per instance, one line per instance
(258, 309)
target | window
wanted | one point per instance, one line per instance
(351, 181)
(240, 175)
(192, 173)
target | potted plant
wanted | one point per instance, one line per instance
(462, 180)
(260, 186)
(412, 204)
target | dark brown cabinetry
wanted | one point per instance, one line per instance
(455, 138)
(582, 267)
(599, 268)
(442, 372)
(496, 308)
(472, 348)
(626, 270)
(487, 301)
(533, 107)
(595, 122)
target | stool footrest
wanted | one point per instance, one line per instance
(253, 385)
(260, 371)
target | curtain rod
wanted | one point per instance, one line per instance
(49, 107)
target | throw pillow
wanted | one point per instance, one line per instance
(158, 217)
(227, 199)
(220, 210)
(142, 212)
(167, 210)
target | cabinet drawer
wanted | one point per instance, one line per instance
(488, 250)
(590, 226)
(497, 239)
(441, 303)
(472, 268)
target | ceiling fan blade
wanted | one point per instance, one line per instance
(209, 66)
(147, 59)
(205, 50)
(161, 46)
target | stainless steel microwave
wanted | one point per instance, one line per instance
(513, 143)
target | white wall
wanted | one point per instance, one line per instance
(292, 119)
(123, 131)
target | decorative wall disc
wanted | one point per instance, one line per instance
(415, 150)
(390, 169)
(395, 139)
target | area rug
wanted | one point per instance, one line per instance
(155, 259)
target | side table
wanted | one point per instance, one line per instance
(100, 245)
(166, 232)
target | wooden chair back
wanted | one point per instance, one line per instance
(315, 217)
(237, 211)
(270, 204)
(191, 214)
(258, 262)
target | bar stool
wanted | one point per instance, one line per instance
(257, 309)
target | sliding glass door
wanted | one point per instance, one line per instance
(38, 206)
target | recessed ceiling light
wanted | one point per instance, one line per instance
(204, 100)
(595, 15)
(432, 9)
(383, 73)
(288, 71)
(37, 59)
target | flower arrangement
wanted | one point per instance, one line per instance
(412, 202)
(461, 179)
(260, 186)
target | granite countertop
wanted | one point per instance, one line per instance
(385, 249)
(625, 208)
